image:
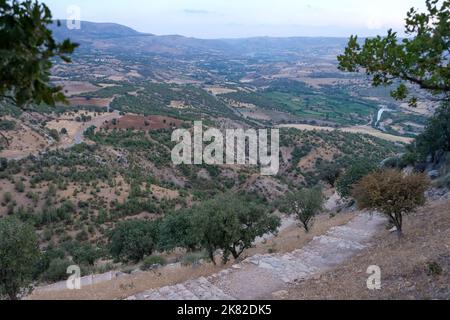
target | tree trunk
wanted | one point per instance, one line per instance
(5, 138)
(305, 225)
(211, 256)
(234, 253)
(13, 296)
(398, 222)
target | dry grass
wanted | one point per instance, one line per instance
(404, 263)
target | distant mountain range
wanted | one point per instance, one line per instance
(93, 30)
(118, 38)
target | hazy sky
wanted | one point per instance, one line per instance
(244, 18)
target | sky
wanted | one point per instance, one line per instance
(245, 18)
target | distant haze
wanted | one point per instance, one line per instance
(246, 18)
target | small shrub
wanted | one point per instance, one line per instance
(152, 261)
(54, 134)
(434, 269)
(57, 270)
(19, 186)
(7, 197)
(193, 258)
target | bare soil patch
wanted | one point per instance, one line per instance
(72, 88)
(23, 141)
(219, 90)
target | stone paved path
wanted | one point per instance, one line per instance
(261, 275)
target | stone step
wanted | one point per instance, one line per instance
(347, 233)
(333, 243)
(309, 257)
(151, 295)
(171, 293)
(366, 222)
(295, 270)
(205, 290)
(186, 293)
(198, 289)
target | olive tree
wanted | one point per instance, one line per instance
(231, 223)
(305, 204)
(392, 193)
(19, 252)
(133, 240)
